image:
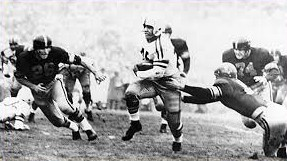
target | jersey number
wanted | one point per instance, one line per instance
(242, 68)
(43, 70)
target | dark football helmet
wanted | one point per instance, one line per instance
(241, 44)
(42, 42)
(226, 70)
(241, 48)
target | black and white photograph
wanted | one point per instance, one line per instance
(165, 80)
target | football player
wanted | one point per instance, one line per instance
(8, 62)
(158, 74)
(183, 55)
(38, 70)
(250, 62)
(13, 108)
(280, 84)
(8, 59)
(73, 72)
(234, 94)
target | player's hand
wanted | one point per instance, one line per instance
(40, 89)
(260, 79)
(99, 77)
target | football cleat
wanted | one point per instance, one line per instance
(135, 127)
(163, 128)
(282, 153)
(22, 127)
(9, 126)
(76, 135)
(31, 118)
(91, 135)
(176, 146)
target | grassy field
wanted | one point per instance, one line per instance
(209, 136)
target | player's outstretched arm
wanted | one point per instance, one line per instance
(99, 77)
(200, 95)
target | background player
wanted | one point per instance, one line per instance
(8, 63)
(250, 62)
(73, 72)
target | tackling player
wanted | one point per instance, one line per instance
(158, 73)
(250, 62)
(37, 69)
(234, 94)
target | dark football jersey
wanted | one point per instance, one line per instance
(237, 96)
(9, 55)
(179, 46)
(282, 64)
(40, 70)
(249, 67)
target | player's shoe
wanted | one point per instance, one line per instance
(282, 153)
(8, 126)
(163, 128)
(135, 127)
(76, 135)
(176, 146)
(31, 118)
(92, 135)
(22, 127)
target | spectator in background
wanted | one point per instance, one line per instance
(102, 97)
(115, 91)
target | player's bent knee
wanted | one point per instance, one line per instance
(132, 102)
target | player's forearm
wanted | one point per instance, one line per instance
(89, 66)
(199, 92)
(195, 100)
(25, 82)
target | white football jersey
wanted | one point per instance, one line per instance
(11, 107)
(159, 50)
